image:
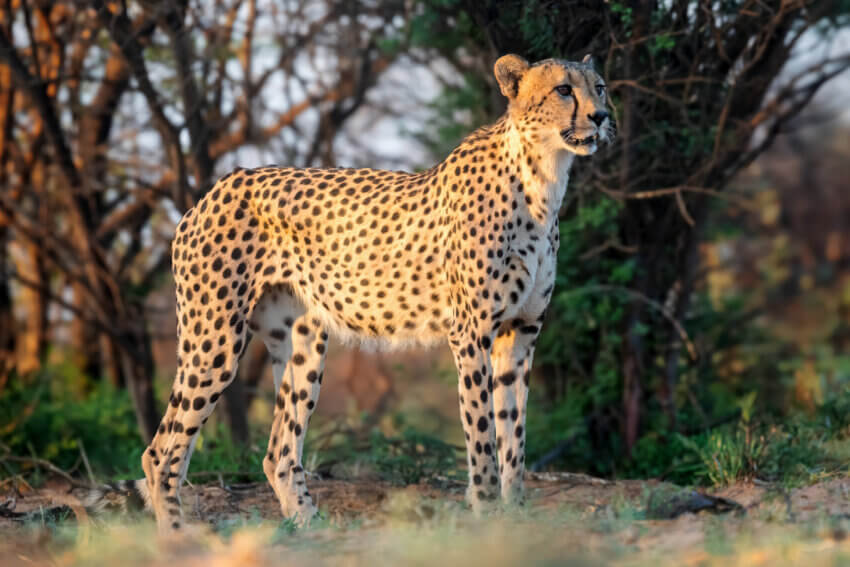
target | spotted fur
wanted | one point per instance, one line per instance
(464, 251)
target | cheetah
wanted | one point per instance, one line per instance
(463, 252)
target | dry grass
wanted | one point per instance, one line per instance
(572, 520)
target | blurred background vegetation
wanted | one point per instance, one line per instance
(700, 327)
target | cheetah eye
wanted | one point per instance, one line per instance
(564, 90)
(600, 90)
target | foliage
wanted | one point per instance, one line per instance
(626, 267)
(66, 421)
(63, 423)
(790, 453)
(216, 453)
(791, 450)
(397, 452)
(411, 456)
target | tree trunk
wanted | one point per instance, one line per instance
(7, 315)
(252, 368)
(238, 396)
(32, 338)
(235, 410)
(85, 345)
(138, 374)
(632, 356)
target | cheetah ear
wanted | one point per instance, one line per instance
(588, 59)
(509, 69)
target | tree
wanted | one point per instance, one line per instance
(117, 117)
(696, 90)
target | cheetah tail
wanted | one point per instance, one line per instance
(124, 495)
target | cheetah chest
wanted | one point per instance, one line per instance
(529, 275)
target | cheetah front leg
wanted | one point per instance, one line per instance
(475, 387)
(513, 352)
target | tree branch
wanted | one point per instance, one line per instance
(123, 34)
(38, 94)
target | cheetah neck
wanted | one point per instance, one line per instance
(543, 168)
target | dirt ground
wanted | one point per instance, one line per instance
(368, 500)
(597, 521)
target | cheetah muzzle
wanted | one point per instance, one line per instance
(463, 252)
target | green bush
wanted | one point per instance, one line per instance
(411, 456)
(59, 415)
(52, 417)
(396, 452)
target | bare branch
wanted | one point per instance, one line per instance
(125, 37)
(38, 94)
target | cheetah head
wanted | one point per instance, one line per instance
(564, 102)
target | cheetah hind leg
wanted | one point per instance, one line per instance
(205, 369)
(296, 343)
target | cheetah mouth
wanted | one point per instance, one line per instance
(573, 140)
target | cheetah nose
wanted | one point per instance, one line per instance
(598, 116)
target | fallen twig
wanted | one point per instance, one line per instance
(580, 478)
(86, 462)
(47, 465)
